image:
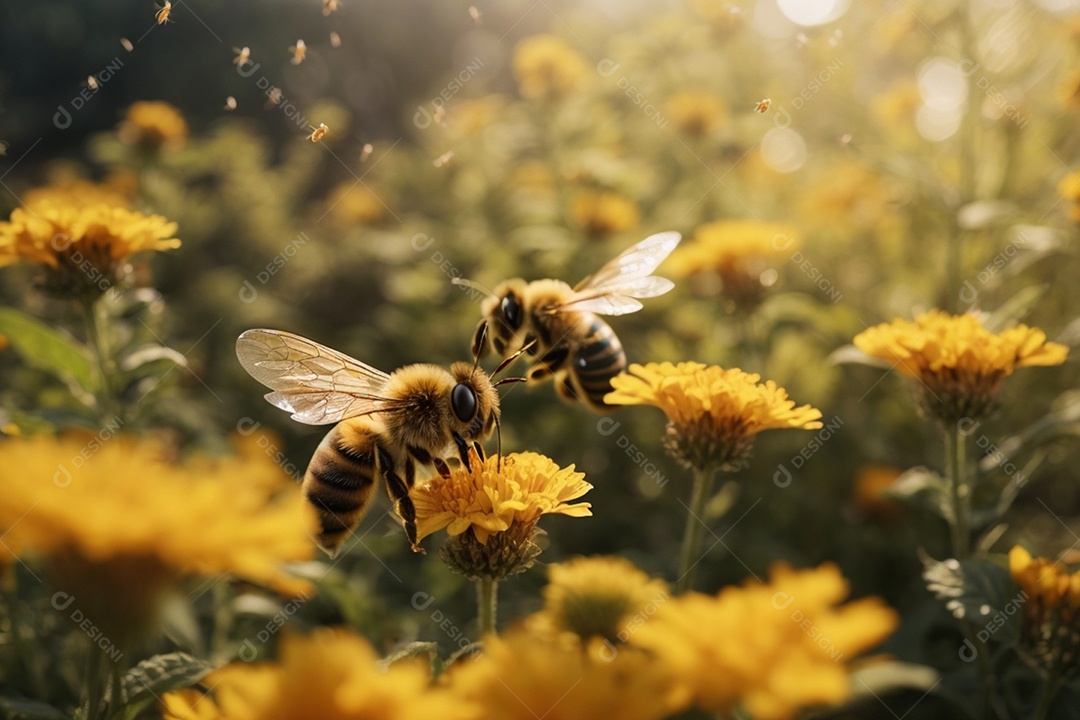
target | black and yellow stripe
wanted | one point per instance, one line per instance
(598, 357)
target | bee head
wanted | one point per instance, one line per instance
(474, 402)
(505, 315)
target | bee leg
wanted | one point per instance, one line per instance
(479, 450)
(548, 364)
(398, 489)
(441, 467)
(463, 451)
(566, 390)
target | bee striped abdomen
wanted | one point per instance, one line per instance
(598, 359)
(340, 479)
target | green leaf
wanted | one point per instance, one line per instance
(23, 709)
(851, 355)
(161, 674)
(922, 486)
(49, 350)
(150, 354)
(979, 591)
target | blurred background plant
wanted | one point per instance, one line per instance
(911, 157)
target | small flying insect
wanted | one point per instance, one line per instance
(299, 51)
(243, 56)
(318, 133)
(329, 6)
(365, 152)
(230, 103)
(763, 105)
(127, 44)
(92, 82)
(444, 159)
(162, 15)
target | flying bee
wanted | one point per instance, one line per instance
(318, 133)
(299, 50)
(162, 15)
(569, 341)
(763, 105)
(385, 424)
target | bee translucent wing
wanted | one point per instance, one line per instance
(616, 287)
(317, 384)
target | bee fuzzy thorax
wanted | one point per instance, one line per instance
(424, 388)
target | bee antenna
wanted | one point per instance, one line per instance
(503, 365)
(479, 345)
(498, 442)
(509, 380)
(471, 284)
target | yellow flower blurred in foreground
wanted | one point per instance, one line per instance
(713, 413)
(1049, 633)
(490, 511)
(599, 212)
(472, 116)
(739, 251)
(83, 244)
(119, 526)
(696, 113)
(153, 125)
(871, 484)
(960, 364)
(525, 676)
(546, 67)
(771, 648)
(602, 597)
(329, 675)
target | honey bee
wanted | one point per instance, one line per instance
(385, 424)
(162, 15)
(318, 133)
(570, 343)
(763, 105)
(299, 50)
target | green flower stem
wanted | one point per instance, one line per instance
(96, 681)
(961, 492)
(1046, 700)
(487, 589)
(98, 336)
(695, 526)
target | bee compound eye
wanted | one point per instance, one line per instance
(511, 309)
(463, 402)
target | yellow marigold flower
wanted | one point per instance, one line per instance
(78, 192)
(739, 251)
(490, 511)
(153, 124)
(850, 194)
(960, 364)
(696, 112)
(357, 203)
(1050, 629)
(546, 67)
(330, 675)
(599, 212)
(713, 413)
(1069, 188)
(119, 526)
(83, 245)
(771, 648)
(606, 597)
(895, 108)
(524, 675)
